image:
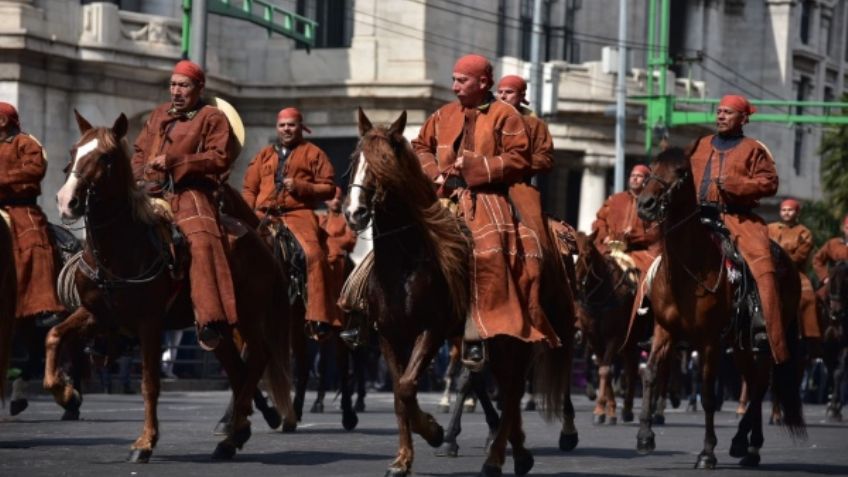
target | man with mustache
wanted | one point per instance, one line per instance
(183, 155)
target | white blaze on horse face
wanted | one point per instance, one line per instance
(356, 188)
(66, 193)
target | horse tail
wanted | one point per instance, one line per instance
(551, 378)
(8, 303)
(786, 383)
(277, 341)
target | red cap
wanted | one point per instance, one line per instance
(641, 169)
(191, 70)
(791, 203)
(739, 103)
(293, 113)
(474, 65)
(10, 112)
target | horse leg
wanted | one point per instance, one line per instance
(757, 372)
(709, 366)
(598, 415)
(743, 399)
(660, 347)
(150, 334)
(449, 447)
(568, 437)
(606, 369)
(445, 401)
(343, 358)
(631, 371)
(301, 364)
(321, 377)
(493, 419)
(79, 324)
(522, 458)
(360, 364)
(509, 363)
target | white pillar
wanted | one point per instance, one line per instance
(593, 192)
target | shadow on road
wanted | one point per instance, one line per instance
(63, 442)
(280, 458)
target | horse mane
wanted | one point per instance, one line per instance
(138, 200)
(398, 171)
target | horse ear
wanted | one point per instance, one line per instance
(83, 124)
(119, 129)
(397, 127)
(364, 123)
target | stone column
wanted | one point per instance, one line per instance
(593, 187)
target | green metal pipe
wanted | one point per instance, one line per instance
(185, 43)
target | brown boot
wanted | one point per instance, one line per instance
(770, 301)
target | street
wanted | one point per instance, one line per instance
(36, 443)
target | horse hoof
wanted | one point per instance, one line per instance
(289, 427)
(222, 428)
(627, 416)
(140, 456)
(71, 415)
(349, 420)
(658, 420)
(317, 407)
(675, 401)
(739, 447)
(490, 470)
(530, 406)
(224, 451)
(590, 392)
(447, 449)
(567, 442)
(598, 419)
(241, 436)
(272, 417)
(438, 439)
(523, 462)
(706, 461)
(396, 472)
(359, 406)
(444, 408)
(645, 445)
(612, 420)
(750, 460)
(17, 406)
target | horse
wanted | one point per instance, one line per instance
(604, 300)
(692, 301)
(8, 302)
(418, 294)
(125, 282)
(835, 339)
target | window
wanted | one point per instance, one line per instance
(501, 28)
(335, 23)
(806, 19)
(798, 152)
(827, 33)
(570, 46)
(526, 21)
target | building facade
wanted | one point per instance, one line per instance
(387, 56)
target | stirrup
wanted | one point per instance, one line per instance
(208, 337)
(317, 330)
(475, 354)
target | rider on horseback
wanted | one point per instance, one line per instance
(341, 240)
(797, 241)
(619, 227)
(183, 155)
(284, 182)
(833, 251)
(22, 167)
(732, 173)
(474, 150)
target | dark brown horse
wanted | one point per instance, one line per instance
(692, 300)
(8, 302)
(125, 284)
(835, 337)
(418, 294)
(604, 300)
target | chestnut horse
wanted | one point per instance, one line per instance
(418, 295)
(125, 283)
(604, 300)
(692, 300)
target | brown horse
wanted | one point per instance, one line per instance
(835, 337)
(125, 283)
(604, 300)
(418, 294)
(692, 300)
(8, 302)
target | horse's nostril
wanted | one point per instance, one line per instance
(72, 204)
(359, 213)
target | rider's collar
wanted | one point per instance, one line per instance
(723, 143)
(11, 136)
(186, 114)
(487, 101)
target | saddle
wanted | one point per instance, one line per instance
(290, 255)
(748, 317)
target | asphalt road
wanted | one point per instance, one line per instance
(36, 443)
